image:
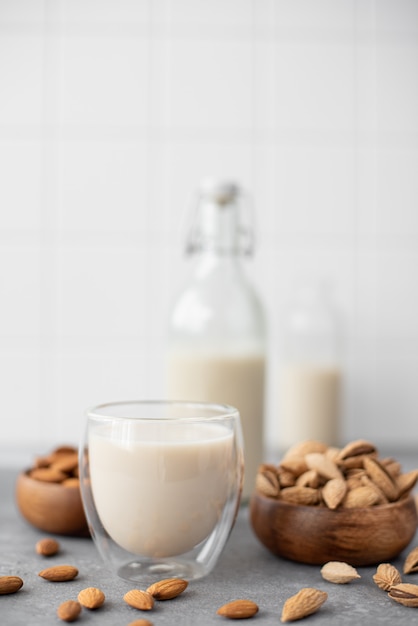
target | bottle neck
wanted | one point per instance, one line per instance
(216, 231)
(221, 222)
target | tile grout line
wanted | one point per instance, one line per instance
(48, 391)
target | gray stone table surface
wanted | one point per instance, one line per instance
(245, 570)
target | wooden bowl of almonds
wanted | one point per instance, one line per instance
(48, 494)
(325, 504)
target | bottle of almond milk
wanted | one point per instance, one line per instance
(310, 375)
(216, 341)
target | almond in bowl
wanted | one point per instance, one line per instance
(325, 504)
(48, 494)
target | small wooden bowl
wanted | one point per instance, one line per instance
(316, 535)
(51, 507)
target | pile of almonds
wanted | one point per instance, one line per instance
(60, 466)
(312, 473)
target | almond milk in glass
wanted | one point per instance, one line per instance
(217, 337)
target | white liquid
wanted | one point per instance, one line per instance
(309, 404)
(161, 492)
(238, 381)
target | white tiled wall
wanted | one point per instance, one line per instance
(111, 111)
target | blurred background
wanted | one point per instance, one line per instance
(111, 112)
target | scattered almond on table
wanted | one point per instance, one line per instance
(405, 593)
(10, 584)
(59, 573)
(238, 609)
(47, 546)
(69, 611)
(306, 602)
(339, 573)
(387, 576)
(139, 599)
(411, 562)
(91, 598)
(167, 588)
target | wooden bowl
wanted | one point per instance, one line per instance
(51, 507)
(316, 535)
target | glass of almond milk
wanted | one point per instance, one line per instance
(161, 485)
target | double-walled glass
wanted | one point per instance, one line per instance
(161, 485)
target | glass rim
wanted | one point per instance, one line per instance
(196, 409)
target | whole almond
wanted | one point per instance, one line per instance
(352, 462)
(238, 609)
(295, 464)
(392, 466)
(59, 573)
(338, 572)
(407, 481)
(359, 447)
(167, 588)
(47, 546)
(354, 478)
(267, 481)
(381, 498)
(69, 610)
(91, 597)
(379, 475)
(323, 465)
(139, 599)
(286, 478)
(310, 478)
(333, 492)
(140, 622)
(10, 584)
(66, 462)
(387, 576)
(300, 495)
(307, 601)
(360, 497)
(405, 593)
(411, 562)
